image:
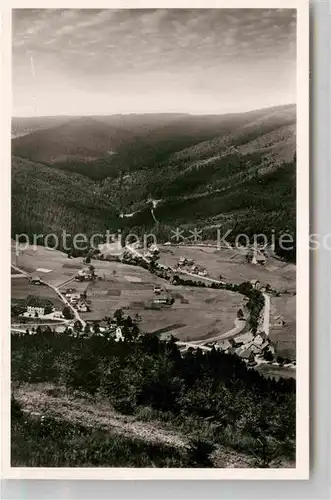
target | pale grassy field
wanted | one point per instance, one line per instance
(61, 267)
(232, 266)
(206, 313)
(196, 314)
(21, 288)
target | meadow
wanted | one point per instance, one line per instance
(52, 266)
(232, 266)
(21, 288)
(196, 313)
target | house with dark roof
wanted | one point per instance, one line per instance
(246, 355)
(35, 279)
(224, 345)
(260, 338)
(279, 321)
(38, 305)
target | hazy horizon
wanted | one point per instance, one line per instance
(151, 113)
(87, 62)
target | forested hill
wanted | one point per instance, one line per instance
(236, 170)
(46, 200)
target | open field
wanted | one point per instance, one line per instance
(21, 288)
(203, 313)
(53, 266)
(197, 313)
(284, 336)
(121, 287)
(276, 372)
(232, 265)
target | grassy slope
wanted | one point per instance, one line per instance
(86, 432)
(98, 391)
(88, 382)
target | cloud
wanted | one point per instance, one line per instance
(104, 49)
(49, 42)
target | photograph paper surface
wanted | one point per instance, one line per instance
(159, 180)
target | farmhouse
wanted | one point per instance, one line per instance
(245, 354)
(154, 249)
(82, 307)
(84, 274)
(165, 336)
(202, 272)
(255, 284)
(256, 256)
(75, 298)
(163, 300)
(279, 321)
(224, 345)
(258, 348)
(260, 338)
(35, 279)
(261, 259)
(39, 306)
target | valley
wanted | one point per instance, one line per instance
(231, 171)
(154, 348)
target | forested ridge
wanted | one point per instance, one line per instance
(236, 171)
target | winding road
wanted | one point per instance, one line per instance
(239, 325)
(57, 291)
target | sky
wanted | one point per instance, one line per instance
(199, 61)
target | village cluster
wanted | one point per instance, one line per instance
(251, 348)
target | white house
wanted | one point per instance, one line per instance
(38, 306)
(75, 297)
(32, 310)
(279, 321)
(82, 307)
(118, 334)
(57, 314)
(203, 272)
(260, 338)
(36, 280)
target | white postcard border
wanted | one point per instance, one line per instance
(301, 471)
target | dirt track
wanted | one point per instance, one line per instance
(38, 400)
